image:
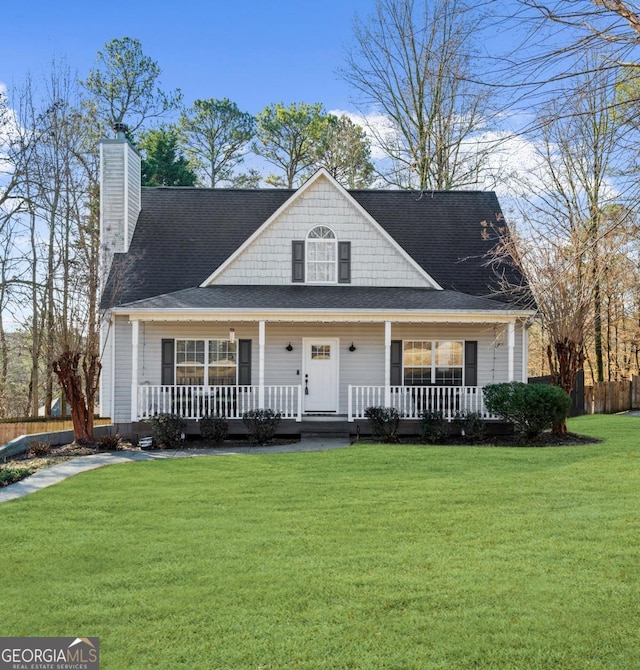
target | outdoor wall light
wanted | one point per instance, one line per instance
(232, 334)
(289, 347)
(352, 347)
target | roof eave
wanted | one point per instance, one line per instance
(326, 315)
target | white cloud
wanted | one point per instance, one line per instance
(511, 161)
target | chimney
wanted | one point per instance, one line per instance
(119, 195)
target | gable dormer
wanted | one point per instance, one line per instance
(321, 235)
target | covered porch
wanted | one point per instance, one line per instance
(311, 368)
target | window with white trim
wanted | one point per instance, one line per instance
(206, 363)
(321, 256)
(439, 362)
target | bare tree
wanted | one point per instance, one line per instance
(412, 64)
(345, 152)
(573, 203)
(562, 292)
(551, 40)
(58, 219)
(16, 148)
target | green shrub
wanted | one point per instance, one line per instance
(531, 408)
(433, 427)
(11, 475)
(109, 443)
(262, 425)
(472, 426)
(384, 422)
(214, 429)
(168, 430)
(38, 449)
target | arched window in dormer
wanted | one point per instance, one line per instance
(321, 256)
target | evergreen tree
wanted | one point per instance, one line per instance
(162, 162)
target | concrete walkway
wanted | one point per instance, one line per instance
(57, 473)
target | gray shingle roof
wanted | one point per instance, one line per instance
(184, 234)
(352, 298)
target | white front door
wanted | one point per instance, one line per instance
(320, 374)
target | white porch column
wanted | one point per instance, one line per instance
(387, 363)
(525, 353)
(261, 345)
(112, 381)
(135, 337)
(511, 347)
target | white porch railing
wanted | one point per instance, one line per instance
(411, 401)
(194, 402)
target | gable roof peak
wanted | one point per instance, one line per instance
(342, 192)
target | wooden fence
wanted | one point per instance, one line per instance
(9, 431)
(612, 397)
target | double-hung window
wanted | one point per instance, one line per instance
(437, 362)
(206, 362)
(321, 256)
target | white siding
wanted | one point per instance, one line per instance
(119, 197)
(106, 374)
(122, 335)
(493, 355)
(112, 198)
(133, 191)
(374, 260)
(363, 366)
(152, 334)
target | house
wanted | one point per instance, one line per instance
(317, 302)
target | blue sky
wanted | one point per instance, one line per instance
(253, 52)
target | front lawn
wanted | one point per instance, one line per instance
(370, 557)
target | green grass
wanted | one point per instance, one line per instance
(368, 557)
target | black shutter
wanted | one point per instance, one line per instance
(244, 362)
(344, 262)
(168, 362)
(396, 363)
(297, 261)
(471, 363)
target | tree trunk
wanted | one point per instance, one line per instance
(72, 377)
(565, 360)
